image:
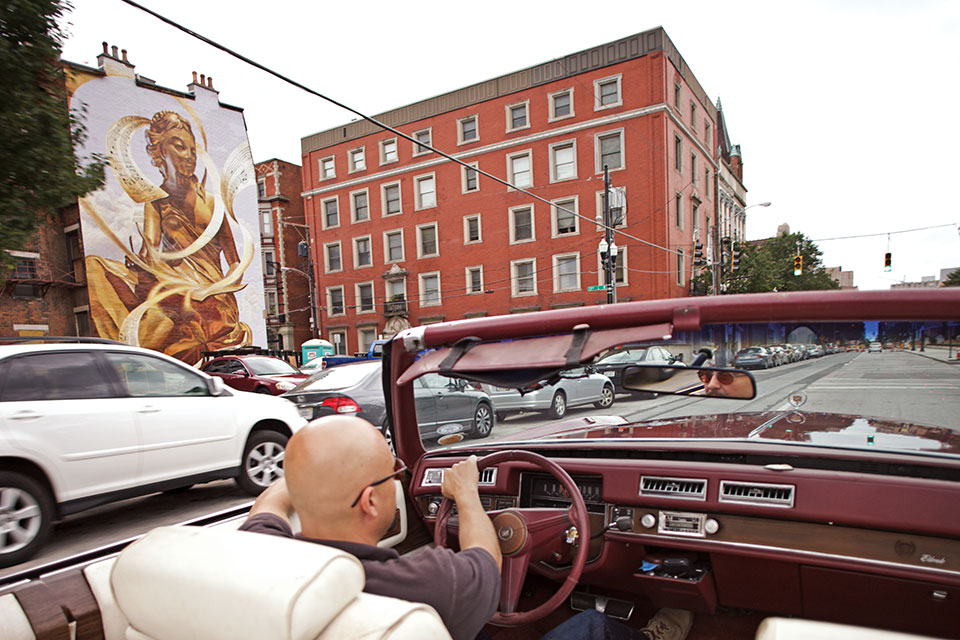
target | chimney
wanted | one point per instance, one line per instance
(114, 62)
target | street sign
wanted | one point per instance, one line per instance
(599, 287)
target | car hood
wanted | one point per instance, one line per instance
(812, 428)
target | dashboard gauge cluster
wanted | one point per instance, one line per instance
(541, 490)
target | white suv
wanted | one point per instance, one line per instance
(96, 421)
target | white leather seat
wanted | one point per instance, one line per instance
(190, 582)
(801, 629)
(13, 621)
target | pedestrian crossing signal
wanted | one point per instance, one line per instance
(886, 261)
(798, 265)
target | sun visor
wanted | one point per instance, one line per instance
(520, 362)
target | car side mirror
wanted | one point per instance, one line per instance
(215, 385)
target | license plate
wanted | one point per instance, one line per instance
(609, 374)
(305, 412)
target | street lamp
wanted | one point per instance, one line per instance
(313, 301)
(717, 258)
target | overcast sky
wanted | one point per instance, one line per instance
(846, 110)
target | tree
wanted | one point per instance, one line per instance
(767, 265)
(40, 171)
(953, 280)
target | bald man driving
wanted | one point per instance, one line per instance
(338, 478)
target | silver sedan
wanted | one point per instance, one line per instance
(576, 387)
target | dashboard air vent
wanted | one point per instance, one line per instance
(690, 488)
(434, 477)
(773, 495)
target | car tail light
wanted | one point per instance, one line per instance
(341, 404)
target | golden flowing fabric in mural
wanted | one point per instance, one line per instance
(172, 295)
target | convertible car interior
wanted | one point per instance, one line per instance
(820, 501)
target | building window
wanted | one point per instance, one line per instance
(364, 294)
(706, 183)
(266, 222)
(328, 168)
(475, 279)
(426, 191)
(272, 307)
(561, 104)
(391, 199)
(694, 217)
(423, 137)
(358, 159)
(82, 322)
(566, 272)
(618, 207)
(521, 224)
(429, 289)
(393, 245)
(563, 161)
(335, 306)
(678, 210)
(332, 254)
(362, 255)
(680, 267)
(693, 167)
(565, 221)
(427, 241)
(388, 151)
(517, 116)
(331, 213)
(706, 131)
(678, 153)
(261, 188)
(619, 272)
(269, 263)
(339, 340)
(607, 92)
(367, 336)
(467, 129)
(360, 206)
(610, 151)
(523, 277)
(471, 179)
(471, 229)
(693, 115)
(676, 94)
(25, 269)
(521, 169)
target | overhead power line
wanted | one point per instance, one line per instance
(886, 233)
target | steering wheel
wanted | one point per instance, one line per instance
(531, 534)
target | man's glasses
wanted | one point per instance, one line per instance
(398, 469)
(724, 377)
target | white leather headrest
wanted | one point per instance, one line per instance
(192, 582)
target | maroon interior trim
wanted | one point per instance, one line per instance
(76, 598)
(46, 618)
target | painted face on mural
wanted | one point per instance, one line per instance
(179, 150)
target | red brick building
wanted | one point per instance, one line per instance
(286, 274)
(402, 235)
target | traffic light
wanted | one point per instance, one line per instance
(798, 265)
(886, 261)
(698, 254)
(735, 260)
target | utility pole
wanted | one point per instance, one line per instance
(610, 259)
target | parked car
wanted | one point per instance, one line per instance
(613, 363)
(312, 366)
(778, 354)
(259, 374)
(444, 406)
(93, 421)
(575, 388)
(755, 357)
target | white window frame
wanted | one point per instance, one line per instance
(466, 229)
(551, 102)
(515, 281)
(323, 213)
(693, 115)
(383, 198)
(386, 246)
(272, 302)
(261, 187)
(353, 205)
(513, 226)
(416, 145)
(360, 341)
(322, 170)
(681, 267)
(556, 272)
(693, 168)
(463, 179)
(373, 297)
(269, 259)
(618, 78)
(418, 204)
(383, 155)
(555, 215)
(326, 256)
(422, 296)
(387, 285)
(511, 158)
(553, 160)
(476, 122)
(343, 298)
(468, 280)
(600, 208)
(356, 252)
(598, 158)
(621, 264)
(339, 346)
(436, 240)
(266, 222)
(678, 153)
(352, 160)
(508, 109)
(678, 210)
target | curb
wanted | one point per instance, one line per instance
(943, 360)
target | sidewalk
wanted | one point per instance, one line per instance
(937, 352)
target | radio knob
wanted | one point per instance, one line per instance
(711, 526)
(432, 508)
(648, 520)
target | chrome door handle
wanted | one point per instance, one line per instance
(149, 409)
(26, 415)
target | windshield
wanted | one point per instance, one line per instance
(824, 387)
(263, 366)
(340, 377)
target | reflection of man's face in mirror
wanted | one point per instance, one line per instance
(726, 384)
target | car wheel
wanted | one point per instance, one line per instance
(606, 397)
(26, 517)
(262, 461)
(558, 406)
(482, 420)
(263, 390)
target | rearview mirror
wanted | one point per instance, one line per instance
(687, 381)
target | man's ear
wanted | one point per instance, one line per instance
(369, 504)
